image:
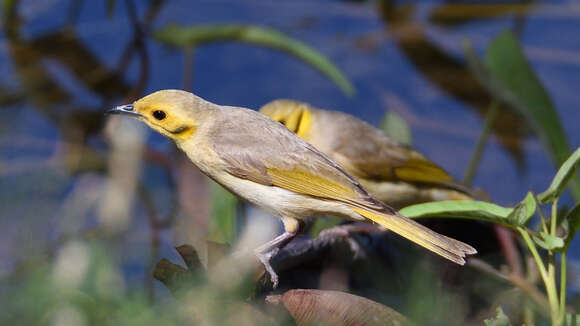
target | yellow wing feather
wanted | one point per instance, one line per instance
(307, 183)
(310, 184)
(446, 247)
(422, 170)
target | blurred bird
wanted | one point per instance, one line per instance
(268, 166)
(392, 172)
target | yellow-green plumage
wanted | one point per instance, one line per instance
(265, 164)
(392, 172)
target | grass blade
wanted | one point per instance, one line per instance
(179, 36)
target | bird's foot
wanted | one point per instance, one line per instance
(265, 258)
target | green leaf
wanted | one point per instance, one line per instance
(500, 319)
(181, 36)
(464, 209)
(223, 214)
(572, 320)
(509, 77)
(523, 211)
(560, 181)
(549, 242)
(324, 223)
(397, 128)
(573, 219)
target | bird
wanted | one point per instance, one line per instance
(268, 166)
(391, 171)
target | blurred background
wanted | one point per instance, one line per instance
(89, 204)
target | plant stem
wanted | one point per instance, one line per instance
(490, 118)
(554, 217)
(540, 212)
(552, 262)
(562, 286)
(551, 254)
(549, 283)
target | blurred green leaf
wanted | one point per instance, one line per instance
(181, 36)
(500, 319)
(510, 78)
(8, 5)
(448, 73)
(397, 128)
(549, 242)
(523, 211)
(560, 181)
(572, 320)
(573, 219)
(463, 209)
(324, 223)
(223, 213)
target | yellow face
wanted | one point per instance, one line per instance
(296, 116)
(168, 112)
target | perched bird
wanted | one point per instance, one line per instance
(268, 166)
(392, 172)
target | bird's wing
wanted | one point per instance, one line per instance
(374, 155)
(255, 148)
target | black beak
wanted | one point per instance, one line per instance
(126, 109)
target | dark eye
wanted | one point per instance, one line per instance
(283, 122)
(159, 115)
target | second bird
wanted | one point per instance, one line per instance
(394, 173)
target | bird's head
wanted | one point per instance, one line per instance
(173, 113)
(296, 116)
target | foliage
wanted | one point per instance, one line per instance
(397, 128)
(194, 36)
(499, 320)
(547, 238)
(507, 75)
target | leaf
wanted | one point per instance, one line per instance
(464, 209)
(500, 319)
(573, 219)
(319, 307)
(181, 36)
(572, 320)
(523, 211)
(560, 181)
(223, 213)
(324, 223)
(449, 73)
(508, 76)
(548, 242)
(397, 128)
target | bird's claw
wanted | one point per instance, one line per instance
(265, 258)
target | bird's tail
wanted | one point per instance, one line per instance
(451, 249)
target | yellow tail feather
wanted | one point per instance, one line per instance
(446, 247)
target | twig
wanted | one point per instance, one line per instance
(538, 297)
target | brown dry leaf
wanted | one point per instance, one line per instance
(318, 307)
